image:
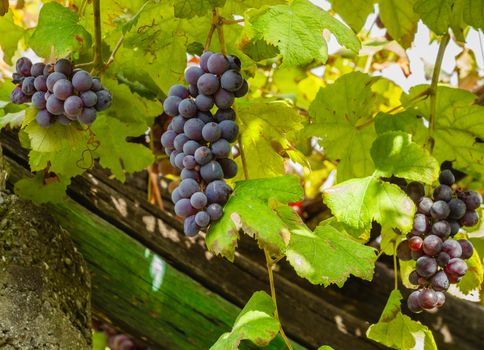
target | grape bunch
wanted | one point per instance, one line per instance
(199, 142)
(59, 92)
(440, 259)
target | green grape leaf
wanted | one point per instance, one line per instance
(13, 120)
(192, 8)
(266, 125)
(400, 20)
(34, 189)
(394, 153)
(406, 267)
(115, 152)
(328, 256)
(256, 323)
(67, 161)
(474, 276)
(296, 30)
(398, 331)
(473, 13)
(389, 238)
(9, 43)
(358, 202)
(436, 14)
(252, 209)
(353, 12)
(240, 6)
(58, 29)
(408, 121)
(339, 113)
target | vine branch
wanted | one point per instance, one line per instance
(98, 55)
(433, 90)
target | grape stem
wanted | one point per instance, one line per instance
(98, 55)
(395, 267)
(115, 50)
(242, 156)
(433, 91)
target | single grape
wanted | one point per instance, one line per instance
(457, 267)
(104, 99)
(37, 69)
(23, 66)
(44, 118)
(440, 299)
(427, 299)
(208, 84)
(218, 192)
(52, 79)
(442, 259)
(96, 85)
(469, 219)
(62, 89)
(413, 277)
(457, 209)
(173, 157)
(190, 147)
(179, 160)
(446, 177)
(441, 228)
(170, 105)
(217, 63)
(413, 302)
(224, 99)
(204, 103)
(432, 245)
(192, 74)
(189, 162)
(403, 251)
(467, 248)
(229, 167)
(82, 81)
(179, 91)
(220, 148)
(204, 59)
(47, 95)
(180, 141)
(38, 100)
(183, 208)
(167, 138)
(443, 193)
(440, 281)
(73, 106)
(472, 199)
(202, 219)
(190, 227)
(193, 129)
(416, 254)
(426, 266)
(224, 114)
(234, 62)
(454, 227)
(205, 117)
(454, 278)
(88, 116)
(193, 90)
(54, 105)
(424, 205)
(415, 243)
(40, 83)
(211, 132)
(28, 87)
(48, 69)
(203, 155)
(415, 190)
(215, 211)
(178, 123)
(198, 200)
(440, 210)
(175, 196)
(231, 80)
(188, 187)
(63, 66)
(420, 223)
(18, 97)
(187, 108)
(63, 120)
(190, 174)
(89, 98)
(211, 171)
(452, 248)
(17, 78)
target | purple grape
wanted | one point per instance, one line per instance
(205, 117)
(37, 69)
(446, 177)
(63, 120)
(234, 62)
(415, 243)
(38, 100)
(189, 162)
(198, 200)
(192, 74)
(427, 299)
(243, 90)
(202, 219)
(104, 99)
(183, 207)
(17, 78)
(190, 227)
(179, 141)
(190, 147)
(187, 108)
(203, 155)
(420, 223)
(415, 190)
(403, 251)
(208, 84)
(413, 302)
(73, 106)
(441, 228)
(204, 59)
(62, 89)
(88, 116)
(175, 195)
(217, 64)
(211, 171)
(413, 277)
(44, 118)
(224, 114)
(443, 193)
(432, 245)
(416, 254)
(179, 160)
(467, 248)
(82, 81)
(469, 219)
(440, 299)
(170, 105)
(179, 91)
(89, 98)
(193, 90)
(440, 210)
(472, 199)
(54, 105)
(173, 155)
(204, 103)
(224, 99)
(454, 227)
(52, 79)
(23, 66)
(40, 83)
(18, 97)
(426, 266)
(48, 69)
(189, 174)
(231, 80)
(96, 85)
(218, 192)
(63, 66)
(452, 248)
(28, 87)
(188, 187)
(215, 211)
(167, 138)
(442, 259)
(193, 129)
(456, 267)
(211, 132)
(229, 167)
(177, 123)
(424, 205)
(440, 281)
(220, 148)
(457, 209)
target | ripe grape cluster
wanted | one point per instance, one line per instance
(59, 92)
(199, 142)
(440, 259)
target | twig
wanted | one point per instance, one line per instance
(98, 55)
(242, 156)
(115, 50)
(395, 268)
(232, 21)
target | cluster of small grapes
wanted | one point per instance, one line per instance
(59, 92)
(199, 142)
(439, 257)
